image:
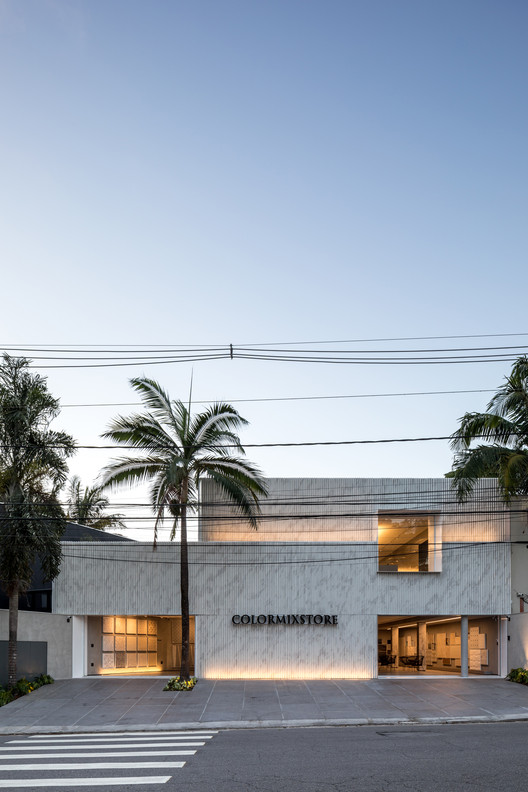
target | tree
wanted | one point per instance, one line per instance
(87, 507)
(32, 471)
(505, 428)
(181, 449)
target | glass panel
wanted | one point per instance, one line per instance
(108, 624)
(403, 543)
(108, 660)
(120, 643)
(142, 643)
(143, 659)
(108, 643)
(119, 624)
(142, 626)
(131, 626)
(131, 643)
(120, 659)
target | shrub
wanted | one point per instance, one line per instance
(43, 679)
(5, 696)
(22, 687)
(518, 675)
(175, 683)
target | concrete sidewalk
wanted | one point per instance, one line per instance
(128, 704)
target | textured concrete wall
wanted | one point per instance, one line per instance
(282, 578)
(346, 510)
(48, 627)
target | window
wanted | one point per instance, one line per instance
(408, 542)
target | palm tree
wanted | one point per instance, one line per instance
(32, 471)
(86, 506)
(505, 427)
(180, 449)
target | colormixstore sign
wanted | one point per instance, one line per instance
(306, 619)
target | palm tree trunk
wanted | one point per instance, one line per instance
(12, 644)
(184, 589)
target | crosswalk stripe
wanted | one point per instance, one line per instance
(87, 735)
(114, 745)
(95, 766)
(99, 755)
(75, 782)
(113, 739)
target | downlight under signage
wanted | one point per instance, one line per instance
(286, 618)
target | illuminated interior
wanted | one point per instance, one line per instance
(432, 645)
(406, 543)
(136, 644)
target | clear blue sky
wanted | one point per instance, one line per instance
(246, 172)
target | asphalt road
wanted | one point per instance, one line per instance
(347, 759)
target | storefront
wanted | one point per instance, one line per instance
(312, 593)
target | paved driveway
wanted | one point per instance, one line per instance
(119, 704)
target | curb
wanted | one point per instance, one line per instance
(262, 724)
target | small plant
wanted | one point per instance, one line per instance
(5, 696)
(518, 675)
(43, 679)
(175, 683)
(23, 687)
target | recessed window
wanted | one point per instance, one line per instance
(408, 543)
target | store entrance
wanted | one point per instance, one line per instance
(420, 645)
(136, 645)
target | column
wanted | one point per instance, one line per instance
(422, 644)
(464, 640)
(78, 646)
(396, 644)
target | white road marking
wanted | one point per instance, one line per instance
(114, 745)
(113, 739)
(95, 766)
(86, 735)
(98, 755)
(76, 782)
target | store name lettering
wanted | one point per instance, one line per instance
(290, 618)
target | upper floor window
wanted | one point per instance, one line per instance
(408, 542)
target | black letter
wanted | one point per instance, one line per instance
(334, 619)
(271, 619)
(327, 619)
(261, 619)
(244, 619)
(310, 617)
(318, 619)
(281, 619)
(236, 617)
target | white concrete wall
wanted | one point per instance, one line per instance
(54, 629)
(276, 578)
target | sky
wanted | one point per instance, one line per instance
(302, 174)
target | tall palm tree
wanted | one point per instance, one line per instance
(505, 428)
(180, 449)
(87, 506)
(32, 471)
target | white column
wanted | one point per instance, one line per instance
(78, 646)
(464, 640)
(422, 644)
(503, 646)
(396, 644)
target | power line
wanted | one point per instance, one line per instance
(296, 398)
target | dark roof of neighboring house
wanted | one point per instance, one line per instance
(83, 533)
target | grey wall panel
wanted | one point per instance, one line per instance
(56, 631)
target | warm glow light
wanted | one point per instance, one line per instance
(131, 671)
(315, 673)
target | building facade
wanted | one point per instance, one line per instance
(344, 578)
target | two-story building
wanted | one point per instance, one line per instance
(344, 578)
